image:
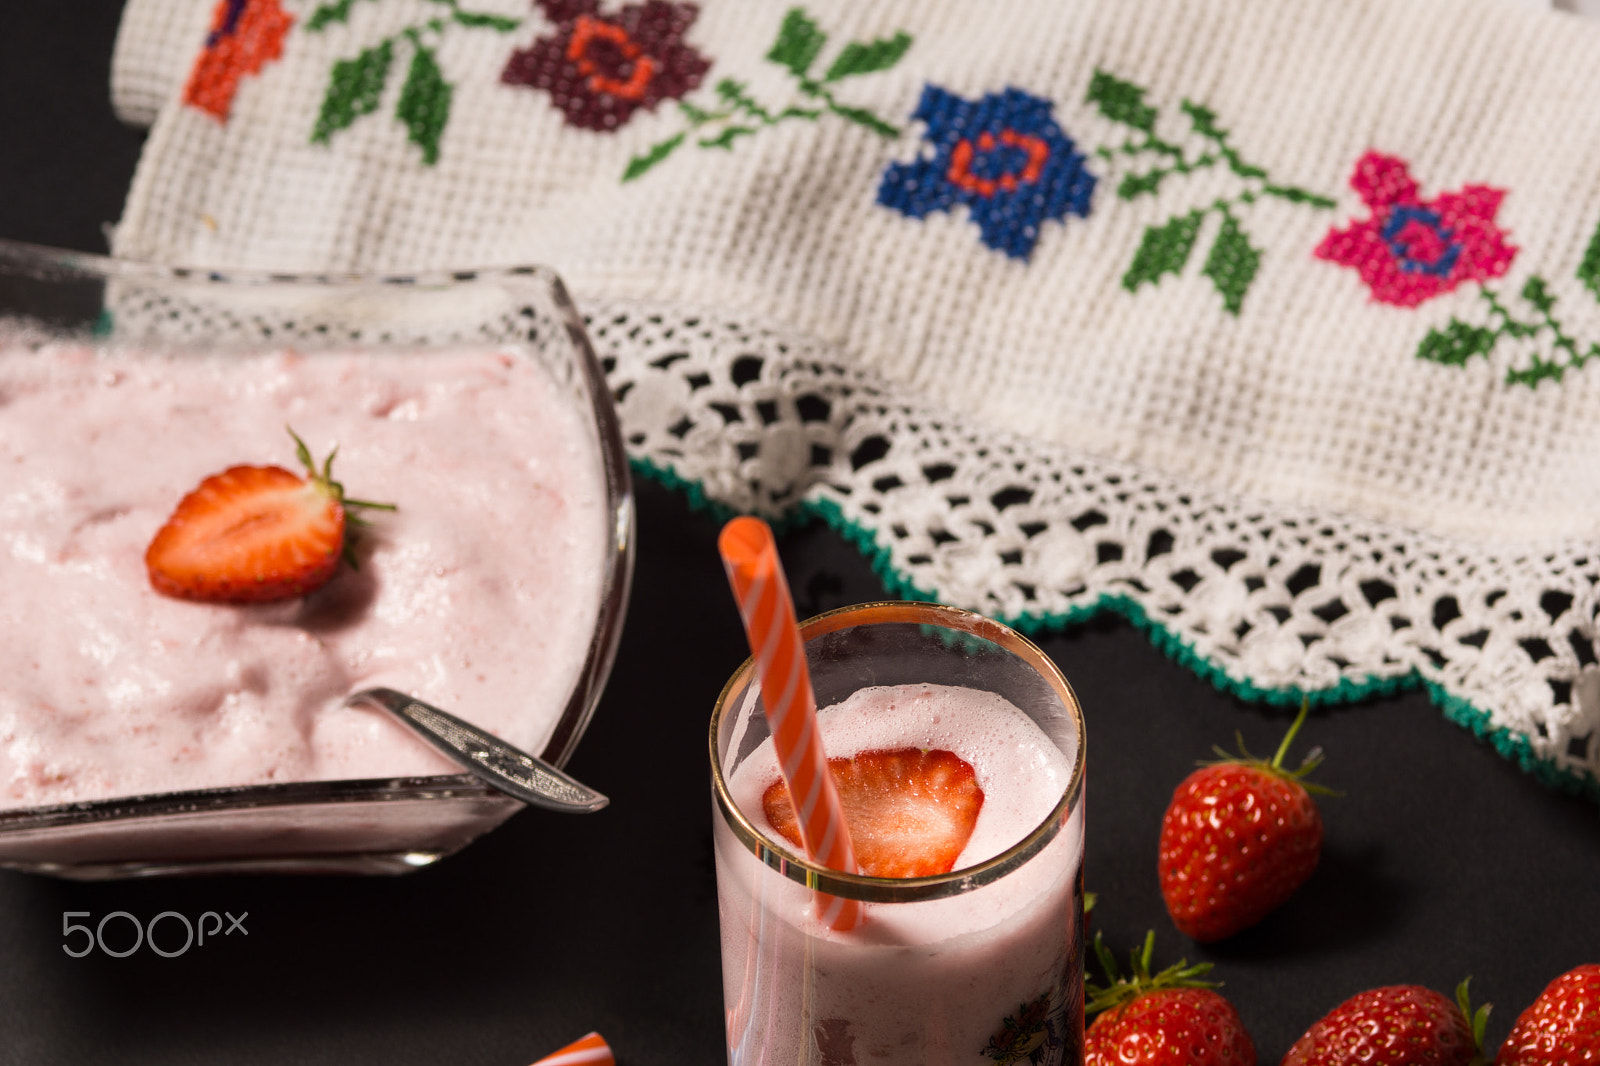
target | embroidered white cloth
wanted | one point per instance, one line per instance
(1269, 325)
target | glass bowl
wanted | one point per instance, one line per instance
(371, 825)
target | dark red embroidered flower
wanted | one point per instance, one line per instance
(600, 69)
(245, 36)
(1410, 249)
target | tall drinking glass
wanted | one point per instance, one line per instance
(981, 965)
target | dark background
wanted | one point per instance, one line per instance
(1442, 860)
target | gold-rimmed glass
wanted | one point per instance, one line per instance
(994, 968)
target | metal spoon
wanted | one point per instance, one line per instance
(507, 768)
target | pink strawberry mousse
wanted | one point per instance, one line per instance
(479, 594)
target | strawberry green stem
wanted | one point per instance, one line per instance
(1120, 990)
(1288, 738)
(1479, 1021)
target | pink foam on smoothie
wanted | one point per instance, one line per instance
(478, 595)
(1022, 774)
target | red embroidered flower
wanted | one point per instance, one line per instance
(245, 36)
(1411, 250)
(600, 69)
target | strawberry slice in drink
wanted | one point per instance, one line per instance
(910, 811)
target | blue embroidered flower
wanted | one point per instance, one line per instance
(1003, 156)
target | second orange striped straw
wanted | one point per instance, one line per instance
(750, 556)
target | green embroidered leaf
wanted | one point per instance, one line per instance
(799, 41)
(424, 104)
(1134, 185)
(354, 88)
(1589, 269)
(697, 115)
(1164, 250)
(1536, 293)
(860, 58)
(1204, 120)
(1232, 264)
(1535, 372)
(1296, 195)
(641, 163)
(326, 14)
(864, 118)
(1121, 101)
(733, 93)
(1456, 343)
(477, 20)
(726, 138)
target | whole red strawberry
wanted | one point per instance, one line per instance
(1238, 838)
(1398, 1025)
(1170, 1019)
(1561, 1027)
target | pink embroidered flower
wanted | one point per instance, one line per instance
(1411, 250)
(599, 69)
(245, 36)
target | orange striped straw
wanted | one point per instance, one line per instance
(750, 556)
(591, 1050)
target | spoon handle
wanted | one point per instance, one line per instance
(507, 768)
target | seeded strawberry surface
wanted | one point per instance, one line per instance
(1561, 1027)
(1236, 842)
(253, 534)
(1399, 1025)
(910, 811)
(1170, 1027)
(250, 534)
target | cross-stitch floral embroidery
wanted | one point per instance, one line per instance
(600, 69)
(356, 85)
(1548, 348)
(245, 36)
(1409, 250)
(737, 114)
(1002, 156)
(1232, 262)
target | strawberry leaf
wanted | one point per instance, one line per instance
(1312, 760)
(1479, 1019)
(1119, 990)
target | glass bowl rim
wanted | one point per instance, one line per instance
(47, 263)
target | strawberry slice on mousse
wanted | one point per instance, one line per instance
(255, 534)
(910, 811)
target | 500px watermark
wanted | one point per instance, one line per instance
(145, 934)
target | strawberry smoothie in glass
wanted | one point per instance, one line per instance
(958, 752)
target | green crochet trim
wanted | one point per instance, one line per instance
(1511, 745)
